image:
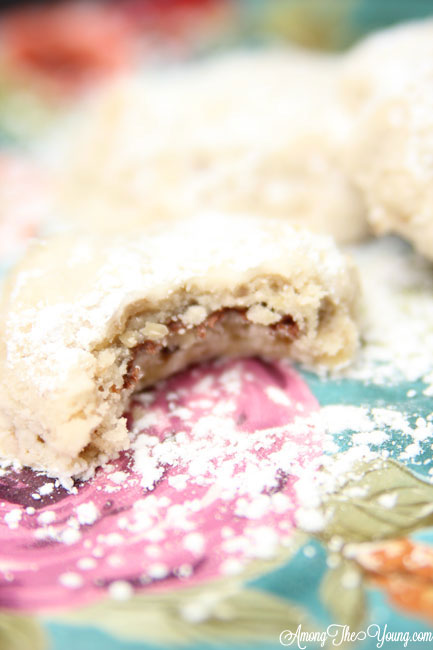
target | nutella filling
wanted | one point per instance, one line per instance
(226, 332)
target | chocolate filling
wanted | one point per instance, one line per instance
(286, 328)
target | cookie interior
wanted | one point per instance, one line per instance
(152, 348)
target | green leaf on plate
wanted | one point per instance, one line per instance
(343, 593)
(21, 633)
(380, 500)
(193, 616)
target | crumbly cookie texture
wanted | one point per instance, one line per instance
(88, 320)
(246, 132)
(388, 83)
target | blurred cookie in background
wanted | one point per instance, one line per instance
(251, 131)
(387, 83)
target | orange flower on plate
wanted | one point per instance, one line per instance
(404, 569)
(67, 45)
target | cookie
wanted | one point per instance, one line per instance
(256, 132)
(388, 83)
(88, 320)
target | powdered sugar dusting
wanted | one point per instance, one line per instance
(397, 315)
(204, 491)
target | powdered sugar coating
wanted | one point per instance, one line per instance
(116, 537)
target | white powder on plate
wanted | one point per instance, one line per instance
(397, 314)
(87, 513)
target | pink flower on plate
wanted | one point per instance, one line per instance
(208, 485)
(24, 202)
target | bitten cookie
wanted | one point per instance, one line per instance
(257, 132)
(88, 320)
(388, 82)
